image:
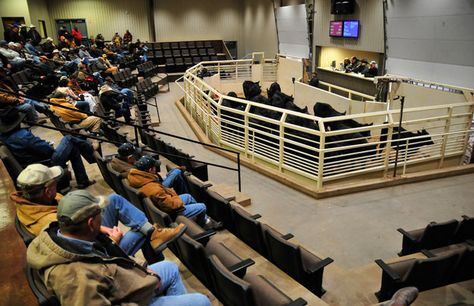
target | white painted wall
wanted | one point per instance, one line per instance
(293, 31)
(431, 40)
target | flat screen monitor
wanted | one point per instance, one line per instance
(351, 29)
(335, 28)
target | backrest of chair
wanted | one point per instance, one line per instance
(26, 236)
(465, 266)
(156, 215)
(13, 166)
(102, 164)
(219, 209)
(45, 298)
(432, 272)
(197, 189)
(117, 179)
(134, 195)
(465, 230)
(231, 290)
(283, 253)
(194, 257)
(249, 230)
(438, 234)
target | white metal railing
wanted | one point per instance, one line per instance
(317, 152)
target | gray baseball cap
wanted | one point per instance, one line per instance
(78, 205)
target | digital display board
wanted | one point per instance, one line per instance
(335, 28)
(351, 29)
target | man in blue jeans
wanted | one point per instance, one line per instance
(82, 267)
(144, 177)
(36, 206)
(28, 148)
(128, 154)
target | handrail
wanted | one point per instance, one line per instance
(136, 127)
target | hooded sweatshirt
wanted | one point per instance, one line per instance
(35, 216)
(79, 278)
(166, 199)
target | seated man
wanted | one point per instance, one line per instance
(314, 80)
(128, 155)
(144, 178)
(70, 113)
(372, 70)
(29, 149)
(36, 207)
(82, 267)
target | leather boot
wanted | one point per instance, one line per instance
(161, 236)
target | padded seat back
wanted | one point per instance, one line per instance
(133, 195)
(25, 235)
(102, 164)
(438, 234)
(194, 257)
(219, 209)
(465, 230)
(283, 254)
(45, 298)
(232, 291)
(465, 266)
(431, 272)
(156, 215)
(117, 179)
(197, 189)
(249, 230)
(13, 166)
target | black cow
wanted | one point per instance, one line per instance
(406, 136)
(251, 89)
(274, 88)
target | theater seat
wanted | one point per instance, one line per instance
(433, 236)
(251, 290)
(156, 215)
(465, 230)
(45, 298)
(424, 274)
(302, 265)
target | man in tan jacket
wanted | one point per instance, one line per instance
(144, 178)
(69, 113)
(37, 205)
(81, 266)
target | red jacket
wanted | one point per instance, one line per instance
(77, 34)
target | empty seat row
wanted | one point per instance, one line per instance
(179, 45)
(436, 235)
(303, 266)
(443, 267)
(125, 78)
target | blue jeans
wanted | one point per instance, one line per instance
(70, 149)
(175, 180)
(194, 209)
(119, 209)
(127, 92)
(172, 291)
(83, 106)
(29, 109)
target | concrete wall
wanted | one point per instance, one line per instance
(105, 16)
(431, 40)
(198, 20)
(259, 30)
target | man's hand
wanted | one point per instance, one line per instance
(21, 100)
(182, 168)
(114, 233)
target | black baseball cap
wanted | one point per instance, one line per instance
(128, 149)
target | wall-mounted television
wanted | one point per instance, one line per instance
(351, 29)
(335, 28)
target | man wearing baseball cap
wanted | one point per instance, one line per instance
(37, 205)
(83, 267)
(144, 177)
(128, 155)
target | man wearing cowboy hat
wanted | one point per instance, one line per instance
(34, 35)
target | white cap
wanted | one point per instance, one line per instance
(38, 174)
(32, 26)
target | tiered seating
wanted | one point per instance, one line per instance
(436, 235)
(179, 56)
(147, 88)
(147, 69)
(125, 78)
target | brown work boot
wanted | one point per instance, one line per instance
(161, 236)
